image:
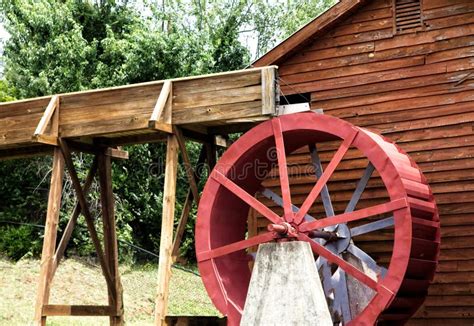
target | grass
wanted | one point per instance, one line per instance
(78, 282)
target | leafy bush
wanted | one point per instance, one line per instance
(16, 241)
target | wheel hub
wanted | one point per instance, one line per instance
(335, 239)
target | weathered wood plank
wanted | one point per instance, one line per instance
(78, 310)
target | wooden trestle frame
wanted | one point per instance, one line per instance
(99, 122)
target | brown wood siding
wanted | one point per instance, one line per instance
(417, 89)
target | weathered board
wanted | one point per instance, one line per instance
(415, 86)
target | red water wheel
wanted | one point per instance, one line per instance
(362, 287)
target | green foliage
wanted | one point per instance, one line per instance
(16, 241)
(6, 92)
(58, 46)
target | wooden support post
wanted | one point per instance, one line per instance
(110, 237)
(167, 219)
(211, 155)
(50, 233)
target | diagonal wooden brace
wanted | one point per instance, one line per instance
(86, 212)
(161, 116)
(72, 221)
(183, 220)
(50, 115)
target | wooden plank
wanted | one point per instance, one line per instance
(117, 153)
(432, 4)
(46, 118)
(78, 310)
(402, 104)
(450, 10)
(449, 22)
(269, 94)
(329, 42)
(369, 14)
(366, 26)
(216, 112)
(50, 234)
(220, 97)
(423, 38)
(162, 111)
(166, 239)
(354, 70)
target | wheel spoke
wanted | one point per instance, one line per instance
(325, 177)
(326, 198)
(356, 215)
(245, 196)
(341, 295)
(361, 185)
(347, 267)
(279, 201)
(283, 169)
(369, 261)
(236, 246)
(373, 226)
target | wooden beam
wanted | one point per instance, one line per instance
(117, 153)
(72, 221)
(50, 233)
(110, 236)
(161, 116)
(78, 310)
(86, 212)
(166, 241)
(188, 203)
(46, 139)
(269, 94)
(46, 118)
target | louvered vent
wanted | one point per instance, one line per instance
(407, 15)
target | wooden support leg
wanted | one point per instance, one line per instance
(166, 241)
(110, 236)
(50, 233)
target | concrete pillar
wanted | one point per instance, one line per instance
(285, 288)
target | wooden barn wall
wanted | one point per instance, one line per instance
(416, 88)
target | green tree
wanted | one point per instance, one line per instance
(58, 46)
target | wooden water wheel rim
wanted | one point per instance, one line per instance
(222, 215)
